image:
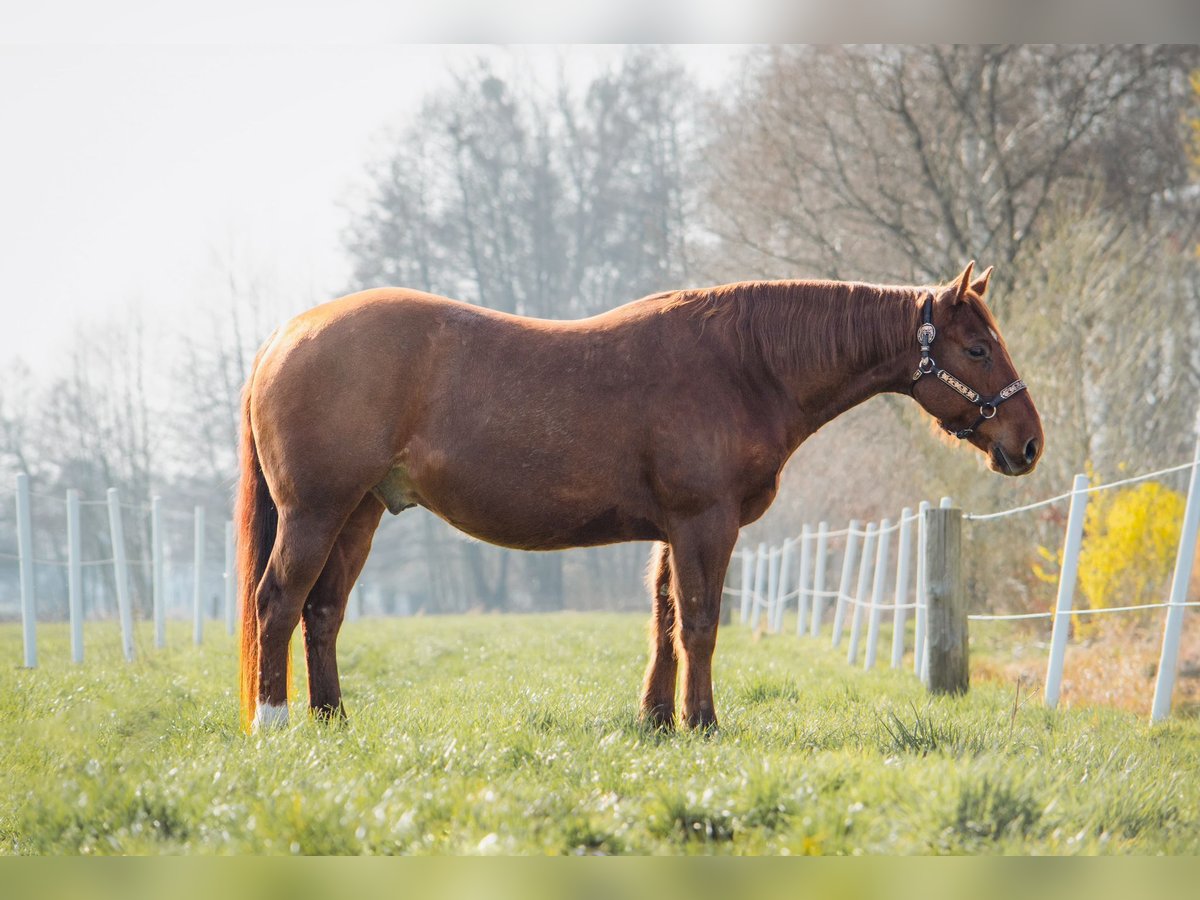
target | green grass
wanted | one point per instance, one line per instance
(519, 735)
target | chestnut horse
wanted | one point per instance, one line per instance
(668, 419)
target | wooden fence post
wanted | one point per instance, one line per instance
(75, 575)
(1173, 625)
(818, 602)
(116, 527)
(27, 571)
(1066, 591)
(947, 621)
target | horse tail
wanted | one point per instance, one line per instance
(257, 520)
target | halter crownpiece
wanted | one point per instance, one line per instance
(927, 366)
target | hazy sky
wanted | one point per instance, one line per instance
(128, 172)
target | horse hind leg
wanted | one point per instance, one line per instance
(658, 690)
(302, 546)
(326, 607)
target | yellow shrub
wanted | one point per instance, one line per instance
(1130, 540)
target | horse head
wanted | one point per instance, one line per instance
(967, 381)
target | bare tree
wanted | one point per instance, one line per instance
(900, 163)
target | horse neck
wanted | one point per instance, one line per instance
(828, 345)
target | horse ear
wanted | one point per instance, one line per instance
(962, 282)
(979, 285)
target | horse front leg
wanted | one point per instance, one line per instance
(658, 689)
(700, 551)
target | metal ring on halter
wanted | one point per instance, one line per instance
(926, 364)
(983, 411)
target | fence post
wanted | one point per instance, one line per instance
(1066, 590)
(1168, 661)
(74, 575)
(26, 570)
(848, 559)
(781, 588)
(948, 662)
(747, 586)
(121, 571)
(198, 576)
(760, 577)
(881, 571)
(230, 579)
(860, 595)
(25, 565)
(803, 597)
(920, 655)
(354, 603)
(818, 601)
(773, 556)
(900, 614)
(158, 582)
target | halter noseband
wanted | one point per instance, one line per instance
(927, 366)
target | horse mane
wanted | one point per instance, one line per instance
(821, 323)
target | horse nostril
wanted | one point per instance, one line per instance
(1031, 450)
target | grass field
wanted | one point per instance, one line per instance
(518, 735)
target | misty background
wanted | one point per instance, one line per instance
(170, 207)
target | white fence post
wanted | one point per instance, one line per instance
(900, 614)
(843, 597)
(25, 564)
(1066, 590)
(773, 558)
(881, 573)
(354, 603)
(760, 578)
(919, 628)
(198, 576)
(860, 597)
(803, 588)
(785, 573)
(230, 579)
(1168, 661)
(747, 585)
(121, 572)
(818, 601)
(74, 576)
(158, 583)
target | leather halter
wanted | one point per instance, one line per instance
(927, 366)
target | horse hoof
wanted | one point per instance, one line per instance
(702, 722)
(327, 714)
(269, 717)
(657, 718)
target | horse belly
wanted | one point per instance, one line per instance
(507, 509)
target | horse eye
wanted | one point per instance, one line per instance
(977, 352)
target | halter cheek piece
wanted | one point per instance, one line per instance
(927, 366)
